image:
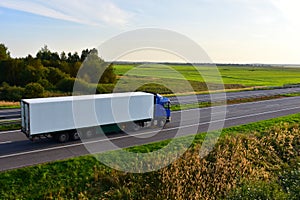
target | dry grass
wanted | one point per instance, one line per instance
(234, 160)
(8, 104)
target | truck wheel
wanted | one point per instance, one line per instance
(161, 123)
(135, 127)
(75, 136)
(89, 133)
(63, 137)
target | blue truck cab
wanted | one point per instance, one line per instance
(162, 108)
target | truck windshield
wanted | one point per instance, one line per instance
(167, 105)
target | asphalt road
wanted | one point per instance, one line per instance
(10, 113)
(17, 151)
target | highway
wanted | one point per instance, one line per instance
(8, 116)
(17, 151)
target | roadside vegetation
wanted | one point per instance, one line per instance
(254, 161)
(10, 127)
(9, 104)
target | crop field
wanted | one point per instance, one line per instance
(242, 75)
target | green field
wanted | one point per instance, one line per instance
(253, 161)
(245, 75)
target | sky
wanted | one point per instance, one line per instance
(230, 31)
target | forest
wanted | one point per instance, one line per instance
(52, 74)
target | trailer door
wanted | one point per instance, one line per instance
(25, 117)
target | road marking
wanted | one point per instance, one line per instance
(13, 131)
(231, 105)
(7, 142)
(144, 133)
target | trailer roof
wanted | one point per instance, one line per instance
(85, 97)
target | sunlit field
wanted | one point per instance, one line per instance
(245, 75)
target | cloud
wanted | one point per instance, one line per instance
(91, 12)
(289, 9)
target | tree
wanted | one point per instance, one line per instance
(109, 75)
(84, 54)
(73, 58)
(11, 71)
(44, 53)
(92, 67)
(4, 53)
(63, 56)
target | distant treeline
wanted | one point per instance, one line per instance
(199, 64)
(50, 73)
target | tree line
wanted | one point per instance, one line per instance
(52, 74)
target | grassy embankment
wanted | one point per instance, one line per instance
(258, 160)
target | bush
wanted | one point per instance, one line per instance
(11, 93)
(290, 181)
(101, 89)
(55, 75)
(258, 190)
(34, 90)
(46, 84)
(67, 85)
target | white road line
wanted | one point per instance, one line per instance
(144, 133)
(6, 142)
(231, 105)
(14, 131)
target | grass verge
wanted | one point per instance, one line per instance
(10, 127)
(9, 105)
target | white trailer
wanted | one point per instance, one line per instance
(67, 118)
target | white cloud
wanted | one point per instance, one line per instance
(91, 12)
(289, 9)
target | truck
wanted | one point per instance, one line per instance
(74, 117)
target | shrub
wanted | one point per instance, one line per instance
(290, 181)
(11, 93)
(66, 84)
(258, 190)
(46, 84)
(33, 90)
(82, 87)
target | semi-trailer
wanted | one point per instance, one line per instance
(75, 117)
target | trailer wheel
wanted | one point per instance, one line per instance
(75, 135)
(63, 137)
(89, 133)
(161, 123)
(135, 126)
